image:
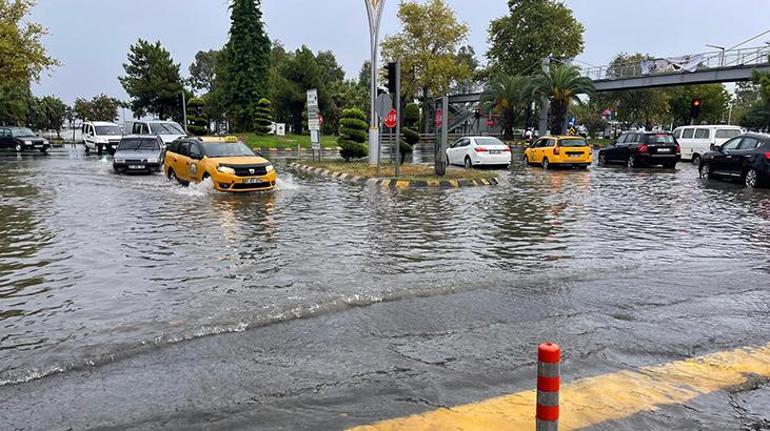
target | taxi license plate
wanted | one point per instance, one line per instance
(576, 156)
(136, 167)
(252, 181)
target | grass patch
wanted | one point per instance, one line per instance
(285, 142)
(408, 172)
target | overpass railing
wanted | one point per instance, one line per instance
(684, 64)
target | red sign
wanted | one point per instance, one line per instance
(439, 120)
(391, 119)
(320, 120)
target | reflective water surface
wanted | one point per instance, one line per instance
(95, 266)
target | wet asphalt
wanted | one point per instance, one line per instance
(327, 305)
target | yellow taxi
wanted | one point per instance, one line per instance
(230, 164)
(566, 151)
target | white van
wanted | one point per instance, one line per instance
(167, 131)
(697, 140)
(101, 135)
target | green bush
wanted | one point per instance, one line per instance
(264, 117)
(353, 134)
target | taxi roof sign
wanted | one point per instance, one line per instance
(219, 139)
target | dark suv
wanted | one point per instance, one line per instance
(643, 149)
(746, 157)
(22, 139)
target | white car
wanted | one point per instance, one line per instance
(167, 131)
(479, 151)
(101, 135)
(696, 141)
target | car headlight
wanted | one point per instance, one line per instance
(152, 160)
(269, 168)
(226, 170)
(45, 142)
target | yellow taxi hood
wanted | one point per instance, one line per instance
(251, 160)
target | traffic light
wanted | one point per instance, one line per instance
(389, 74)
(695, 108)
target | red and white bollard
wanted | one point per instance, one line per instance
(548, 385)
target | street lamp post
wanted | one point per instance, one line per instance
(374, 10)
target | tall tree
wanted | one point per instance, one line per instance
(713, 110)
(298, 72)
(203, 70)
(506, 96)
(22, 55)
(100, 108)
(245, 64)
(646, 107)
(153, 81)
(428, 48)
(533, 30)
(760, 112)
(563, 85)
(47, 113)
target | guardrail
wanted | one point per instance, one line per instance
(690, 63)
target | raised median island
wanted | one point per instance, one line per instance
(412, 176)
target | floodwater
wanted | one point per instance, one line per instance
(95, 267)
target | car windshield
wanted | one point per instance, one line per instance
(108, 131)
(22, 132)
(728, 134)
(488, 141)
(573, 143)
(222, 149)
(166, 129)
(660, 139)
(139, 145)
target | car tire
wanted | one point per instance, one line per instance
(696, 160)
(705, 172)
(468, 163)
(546, 164)
(602, 159)
(631, 162)
(172, 176)
(751, 179)
(447, 161)
(88, 150)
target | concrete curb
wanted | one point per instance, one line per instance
(396, 184)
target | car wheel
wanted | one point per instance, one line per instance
(631, 163)
(705, 172)
(468, 163)
(19, 148)
(88, 150)
(602, 159)
(546, 164)
(752, 179)
(447, 161)
(696, 160)
(172, 176)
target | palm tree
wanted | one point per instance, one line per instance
(561, 86)
(505, 96)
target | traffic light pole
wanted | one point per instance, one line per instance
(398, 119)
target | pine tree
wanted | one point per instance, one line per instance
(153, 81)
(353, 134)
(264, 117)
(246, 64)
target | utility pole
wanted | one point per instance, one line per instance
(184, 111)
(544, 103)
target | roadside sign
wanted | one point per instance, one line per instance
(314, 124)
(439, 119)
(314, 121)
(312, 98)
(391, 119)
(383, 105)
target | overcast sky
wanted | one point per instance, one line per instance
(91, 37)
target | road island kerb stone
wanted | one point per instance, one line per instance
(390, 183)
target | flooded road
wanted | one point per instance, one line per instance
(96, 268)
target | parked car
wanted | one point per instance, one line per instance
(138, 154)
(746, 157)
(636, 149)
(564, 151)
(22, 139)
(479, 151)
(231, 165)
(99, 136)
(168, 131)
(698, 140)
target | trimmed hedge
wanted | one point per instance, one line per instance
(354, 132)
(264, 117)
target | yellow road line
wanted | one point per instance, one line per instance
(594, 400)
